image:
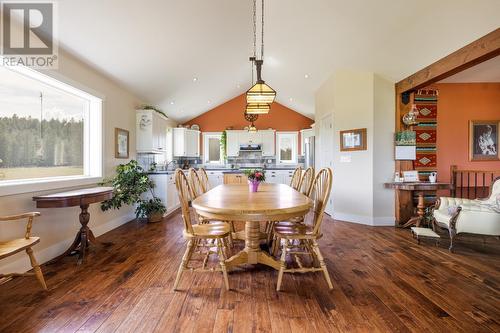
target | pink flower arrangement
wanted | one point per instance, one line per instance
(256, 175)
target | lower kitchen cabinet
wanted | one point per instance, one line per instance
(234, 178)
(215, 178)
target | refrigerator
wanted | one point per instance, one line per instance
(309, 152)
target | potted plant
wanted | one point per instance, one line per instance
(153, 209)
(255, 176)
(129, 183)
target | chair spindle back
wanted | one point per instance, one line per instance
(202, 174)
(185, 195)
(319, 194)
(195, 183)
(297, 175)
(306, 181)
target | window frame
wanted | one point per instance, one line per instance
(93, 137)
(295, 138)
(206, 138)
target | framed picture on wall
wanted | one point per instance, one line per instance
(484, 137)
(351, 140)
(121, 143)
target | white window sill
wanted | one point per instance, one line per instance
(27, 186)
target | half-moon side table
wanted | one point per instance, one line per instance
(419, 187)
(82, 198)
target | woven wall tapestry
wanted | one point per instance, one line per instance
(426, 132)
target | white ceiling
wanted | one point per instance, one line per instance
(156, 47)
(487, 71)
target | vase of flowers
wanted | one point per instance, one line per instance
(254, 178)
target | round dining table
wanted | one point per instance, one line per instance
(234, 202)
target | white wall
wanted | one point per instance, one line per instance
(57, 227)
(359, 100)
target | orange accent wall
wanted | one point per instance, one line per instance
(230, 114)
(458, 103)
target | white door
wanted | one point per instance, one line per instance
(326, 137)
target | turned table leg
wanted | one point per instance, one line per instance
(420, 208)
(84, 232)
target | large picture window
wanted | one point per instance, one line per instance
(286, 147)
(212, 148)
(46, 129)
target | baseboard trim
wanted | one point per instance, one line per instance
(22, 265)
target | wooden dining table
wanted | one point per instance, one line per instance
(234, 202)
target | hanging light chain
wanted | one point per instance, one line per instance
(262, 33)
(254, 28)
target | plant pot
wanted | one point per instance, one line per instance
(253, 186)
(155, 217)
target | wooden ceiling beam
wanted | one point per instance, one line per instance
(480, 50)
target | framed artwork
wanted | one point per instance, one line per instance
(351, 140)
(484, 137)
(121, 143)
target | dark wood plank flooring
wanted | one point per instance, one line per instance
(383, 282)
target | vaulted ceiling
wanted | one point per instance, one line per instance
(187, 56)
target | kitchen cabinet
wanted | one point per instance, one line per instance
(165, 190)
(267, 137)
(279, 176)
(215, 178)
(245, 137)
(151, 132)
(234, 178)
(186, 142)
(235, 138)
(232, 143)
(172, 197)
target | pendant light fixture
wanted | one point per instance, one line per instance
(251, 118)
(260, 94)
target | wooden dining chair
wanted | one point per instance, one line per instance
(306, 181)
(203, 176)
(304, 187)
(195, 183)
(9, 248)
(200, 235)
(301, 239)
(295, 181)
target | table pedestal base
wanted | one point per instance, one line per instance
(252, 254)
(417, 220)
(82, 239)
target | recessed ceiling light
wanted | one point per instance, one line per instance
(238, 86)
(208, 102)
(172, 103)
(195, 79)
(306, 76)
(291, 99)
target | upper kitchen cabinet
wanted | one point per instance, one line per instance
(232, 143)
(186, 142)
(151, 132)
(267, 138)
(235, 138)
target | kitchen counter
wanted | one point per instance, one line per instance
(224, 170)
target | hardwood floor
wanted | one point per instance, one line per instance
(383, 281)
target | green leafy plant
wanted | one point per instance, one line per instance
(149, 207)
(223, 145)
(255, 175)
(129, 183)
(150, 107)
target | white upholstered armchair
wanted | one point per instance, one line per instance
(480, 216)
